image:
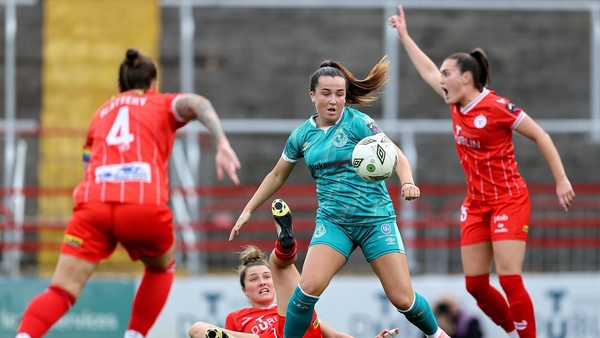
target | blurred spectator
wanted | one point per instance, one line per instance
(457, 323)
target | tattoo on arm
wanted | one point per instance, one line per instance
(194, 106)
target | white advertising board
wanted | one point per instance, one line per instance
(566, 305)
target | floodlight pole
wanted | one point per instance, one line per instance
(595, 72)
(10, 31)
(11, 260)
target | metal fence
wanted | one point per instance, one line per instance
(559, 241)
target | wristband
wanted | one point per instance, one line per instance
(405, 183)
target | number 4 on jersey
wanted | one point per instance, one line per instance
(119, 132)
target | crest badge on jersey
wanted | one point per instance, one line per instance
(480, 121)
(340, 138)
(320, 230)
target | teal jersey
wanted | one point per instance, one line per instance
(344, 197)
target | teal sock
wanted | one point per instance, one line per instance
(299, 314)
(421, 315)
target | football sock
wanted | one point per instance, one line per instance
(150, 298)
(299, 313)
(421, 316)
(437, 334)
(44, 310)
(285, 254)
(490, 301)
(521, 305)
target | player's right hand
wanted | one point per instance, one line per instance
(399, 23)
(244, 217)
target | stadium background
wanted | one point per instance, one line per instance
(253, 64)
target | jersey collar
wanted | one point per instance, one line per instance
(473, 103)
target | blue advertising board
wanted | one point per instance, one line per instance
(102, 310)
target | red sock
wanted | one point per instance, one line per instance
(490, 301)
(521, 305)
(150, 298)
(285, 254)
(44, 310)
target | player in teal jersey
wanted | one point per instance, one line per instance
(352, 212)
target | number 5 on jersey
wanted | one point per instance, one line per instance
(119, 134)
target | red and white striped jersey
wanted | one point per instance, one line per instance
(130, 140)
(483, 138)
(265, 322)
(254, 320)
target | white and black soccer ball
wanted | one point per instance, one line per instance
(375, 158)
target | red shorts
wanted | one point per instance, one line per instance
(95, 229)
(500, 220)
(314, 330)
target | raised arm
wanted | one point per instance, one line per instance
(426, 68)
(193, 106)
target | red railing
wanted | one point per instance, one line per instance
(222, 204)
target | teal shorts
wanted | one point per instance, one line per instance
(374, 240)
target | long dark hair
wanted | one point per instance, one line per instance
(476, 63)
(137, 71)
(357, 91)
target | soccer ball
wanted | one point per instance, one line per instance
(375, 158)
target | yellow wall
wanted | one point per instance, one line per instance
(84, 43)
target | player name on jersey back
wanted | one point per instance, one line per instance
(125, 172)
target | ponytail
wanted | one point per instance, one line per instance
(476, 63)
(358, 91)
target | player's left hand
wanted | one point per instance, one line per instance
(388, 333)
(410, 191)
(565, 193)
(227, 162)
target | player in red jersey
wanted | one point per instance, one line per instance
(123, 196)
(495, 213)
(264, 281)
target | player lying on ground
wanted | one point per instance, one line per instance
(261, 282)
